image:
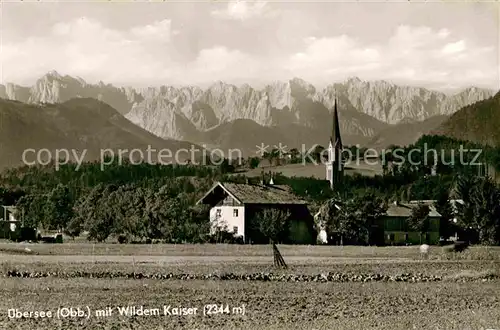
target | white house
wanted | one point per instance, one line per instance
(8, 217)
(233, 205)
(229, 214)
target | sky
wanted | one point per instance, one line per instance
(438, 45)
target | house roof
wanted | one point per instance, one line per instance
(257, 193)
(393, 210)
(405, 209)
(431, 202)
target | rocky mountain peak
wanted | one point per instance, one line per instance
(353, 80)
(53, 74)
(301, 88)
(294, 102)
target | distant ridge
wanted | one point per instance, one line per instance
(279, 102)
(80, 124)
(478, 122)
(405, 133)
(293, 108)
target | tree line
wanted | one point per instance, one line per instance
(475, 218)
(147, 202)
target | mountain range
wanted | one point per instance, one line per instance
(294, 112)
(84, 127)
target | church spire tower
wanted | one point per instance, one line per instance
(334, 165)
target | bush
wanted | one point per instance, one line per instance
(299, 233)
(24, 234)
(59, 238)
(122, 239)
(458, 246)
(225, 237)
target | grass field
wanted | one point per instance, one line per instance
(317, 171)
(462, 299)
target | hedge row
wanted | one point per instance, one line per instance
(326, 277)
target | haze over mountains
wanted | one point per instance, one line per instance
(292, 112)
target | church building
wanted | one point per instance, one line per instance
(334, 165)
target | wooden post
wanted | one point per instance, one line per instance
(275, 256)
(278, 259)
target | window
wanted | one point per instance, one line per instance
(235, 230)
(235, 212)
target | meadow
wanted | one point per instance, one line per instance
(331, 287)
(361, 167)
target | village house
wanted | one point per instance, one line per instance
(392, 228)
(454, 208)
(431, 202)
(8, 221)
(235, 206)
(395, 225)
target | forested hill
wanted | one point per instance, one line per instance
(84, 126)
(478, 122)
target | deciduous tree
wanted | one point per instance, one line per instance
(419, 219)
(272, 222)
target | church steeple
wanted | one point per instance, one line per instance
(335, 138)
(335, 166)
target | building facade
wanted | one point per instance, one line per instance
(391, 229)
(234, 208)
(229, 215)
(396, 230)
